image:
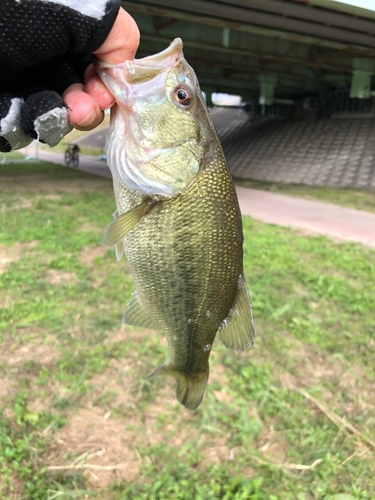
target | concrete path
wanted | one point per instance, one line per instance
(344, 224)
(85, 164)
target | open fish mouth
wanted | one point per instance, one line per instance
(144, 69)
(174, 49)
(141, 70)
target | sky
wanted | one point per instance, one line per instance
(365, 4)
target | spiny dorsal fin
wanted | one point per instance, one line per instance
(136, 315)
(119, 228)
(237, 330)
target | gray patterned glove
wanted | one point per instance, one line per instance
(45, 47)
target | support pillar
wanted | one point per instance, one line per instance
(208, 96)
(363, 69)
(226, 36)
(267, 91)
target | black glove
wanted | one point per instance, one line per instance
(45, 47)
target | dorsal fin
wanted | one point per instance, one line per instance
(237, 330)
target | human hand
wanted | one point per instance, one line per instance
(48, 84)
(87, 102)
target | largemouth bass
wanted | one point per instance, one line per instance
(177, 218)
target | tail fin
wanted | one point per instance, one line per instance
(190, 389)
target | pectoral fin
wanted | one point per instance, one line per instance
(119, 228)
(136, 315)
(237, 330)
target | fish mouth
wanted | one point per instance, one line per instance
(174, 50)
(146, 68)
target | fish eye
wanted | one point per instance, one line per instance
(182, 96)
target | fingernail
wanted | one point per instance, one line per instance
(108, 97)
(105, 101)
(88, 119)
(110, 104)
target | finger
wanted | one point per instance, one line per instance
(90, 72)
(44, 117)
(122, 42)
(97, 90)
(84, 111)
(12, 135)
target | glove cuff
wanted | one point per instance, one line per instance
(107, 23)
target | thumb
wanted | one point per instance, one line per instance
(122, 42)
(86, 104)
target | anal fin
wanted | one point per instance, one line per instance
(237, 330)
(136, 315)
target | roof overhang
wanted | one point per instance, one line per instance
(362, 8)
(311, 46)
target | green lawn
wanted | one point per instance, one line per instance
(14, 155)
(79, 419)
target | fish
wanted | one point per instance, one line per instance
(177, 217)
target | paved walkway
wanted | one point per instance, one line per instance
(344, 224)
(85, 164)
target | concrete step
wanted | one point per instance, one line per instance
(326, 152)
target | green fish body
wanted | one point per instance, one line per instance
(177, 219)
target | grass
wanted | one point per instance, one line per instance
(13, 155)
(358, 199)
(78, 417)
